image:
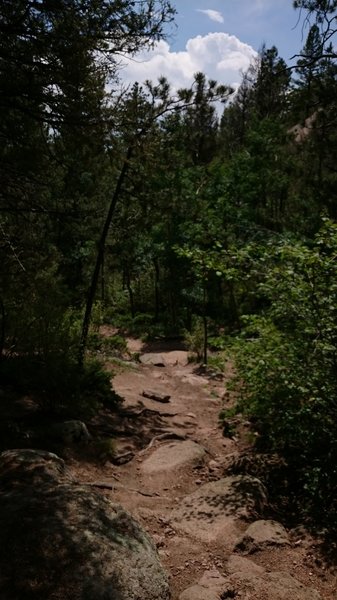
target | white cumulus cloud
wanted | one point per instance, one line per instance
(214, 15)
(220, 56)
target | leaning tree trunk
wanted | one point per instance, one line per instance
(156, 289)
(130, 291)
(100, 257)
(2, 328)
(205, 324)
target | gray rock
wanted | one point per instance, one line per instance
(214, 510)
(156, 360)
(70, 432)
(261, 534)
(165, 359)
(63, 541)
(176, 455)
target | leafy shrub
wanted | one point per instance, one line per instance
(104, 449)
(194, 339)
(286, 362)
(107, 345)
(114, 343)
(60, 385)
(142, 325)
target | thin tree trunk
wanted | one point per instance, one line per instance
(102, 281)
(2, 328)
(204, 319)
(130, 292)
(156, 289)
(100, 256)
(233, 305)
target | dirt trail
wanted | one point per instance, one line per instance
(153, 484)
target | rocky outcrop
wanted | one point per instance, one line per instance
(63, 541)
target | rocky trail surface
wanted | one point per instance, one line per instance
(209, 525)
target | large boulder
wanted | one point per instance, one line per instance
(60, 540)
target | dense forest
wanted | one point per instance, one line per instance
(207, 213)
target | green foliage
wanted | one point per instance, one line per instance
(104, 449)
(114, 343)
(217, 362)
(194, 339)
(61, 386)
(286, 362)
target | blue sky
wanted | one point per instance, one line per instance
(251, 21)
(219, 38)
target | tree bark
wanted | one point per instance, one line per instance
(2, 328)
(204, 320)
(156, 289)
(100, 257)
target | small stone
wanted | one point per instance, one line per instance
(213, 465)
(159, 540)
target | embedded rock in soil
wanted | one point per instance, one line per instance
(246, 579)
(175, 455)
(261, 534)
(63, 541)
(214, 510)
(239, 564)
(210, 587)
(194, 380)
(277, 585)
(165, 359)
(156, 360)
